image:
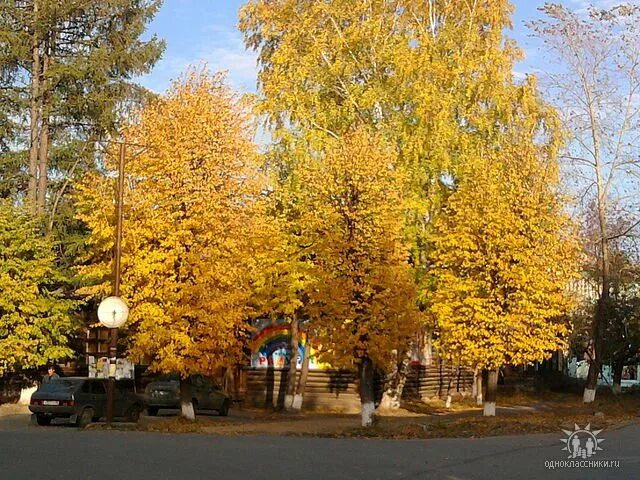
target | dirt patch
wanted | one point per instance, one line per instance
(476, 427)
(253, 423)
(520, 413)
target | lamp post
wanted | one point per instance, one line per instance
(113, 312)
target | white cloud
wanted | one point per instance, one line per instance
(223, 49)
(220, 48)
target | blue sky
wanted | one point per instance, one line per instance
(198, 31)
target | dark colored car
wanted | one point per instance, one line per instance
(83, 400)
(165, 393)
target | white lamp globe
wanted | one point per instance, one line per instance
(113, 312)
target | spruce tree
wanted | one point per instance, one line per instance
(69, 71)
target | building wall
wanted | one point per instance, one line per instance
(337, 390)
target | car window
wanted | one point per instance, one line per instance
(97, 388)
(86, 387)
(59, 386)
(197, 380)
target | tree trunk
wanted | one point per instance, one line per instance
(43, 155)
(43, 161)
(293, 366)
(34, 121)
(491, 391)
(367, 399)
(298, 400)
(618, 366)
(602, 206)
(229, 382)
(477, 386)
(474, 385)
(594, 354)
(393, 393)
(60, 193)
(187, 408)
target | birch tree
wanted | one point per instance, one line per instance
(596, 87)
(418, 72)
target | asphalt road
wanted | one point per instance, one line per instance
(58, 452)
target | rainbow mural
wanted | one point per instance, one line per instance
(271, 348)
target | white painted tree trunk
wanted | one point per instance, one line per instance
(187, 410)
(589, 395)
(392, 396)
(368, 411)
(367, 398)
(478, 388)
(489, 409)
(298, 398)
(491, 377)
(618, 368)
(288, 402)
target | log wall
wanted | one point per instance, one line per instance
(337, 390)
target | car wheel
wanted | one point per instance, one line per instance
(152, 411)
(224, 410)
(85, 418)
(43, 420)
(133, 415)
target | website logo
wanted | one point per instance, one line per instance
(582, 442)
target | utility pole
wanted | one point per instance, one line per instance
(113, 332)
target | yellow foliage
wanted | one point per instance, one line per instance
(433, 78)
(504, 249)
(364, 303)
(418, 72)
(191, 226)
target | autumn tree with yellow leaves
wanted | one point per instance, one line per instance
(416, 71)
(284, 278)
(420, 73)
(504, 249)
(192, 201)
(364, 304)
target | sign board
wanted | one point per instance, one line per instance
(99, 368)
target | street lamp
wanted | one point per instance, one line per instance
(113, 312)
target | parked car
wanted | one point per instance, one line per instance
(83, 400)
(165, 393)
